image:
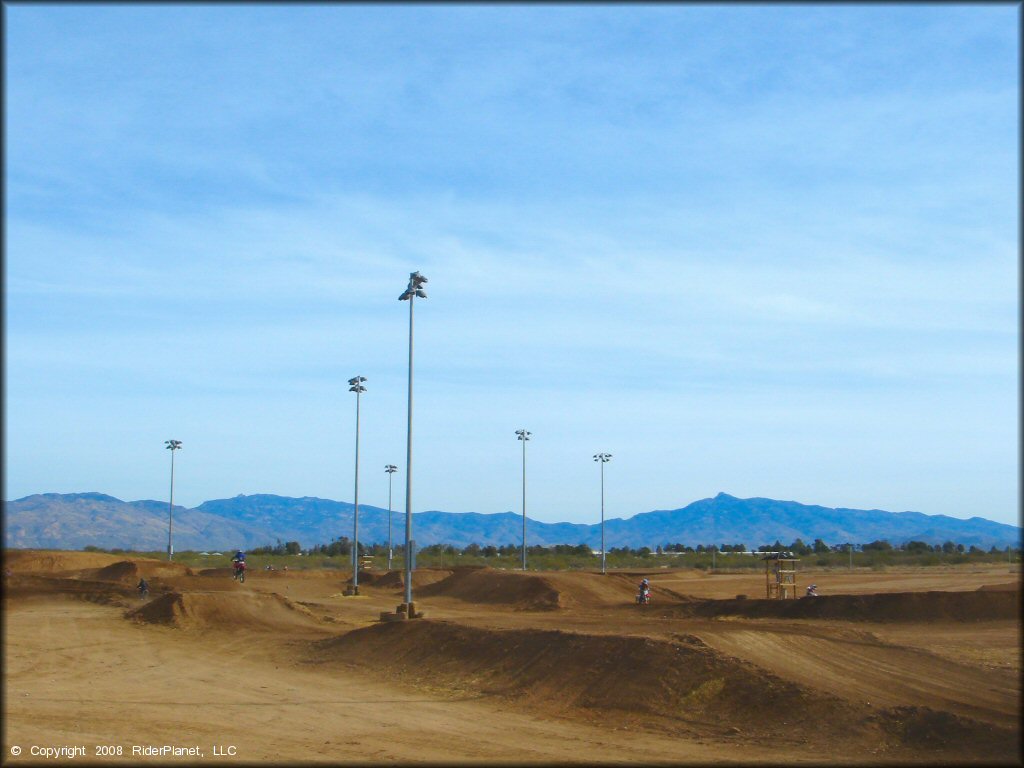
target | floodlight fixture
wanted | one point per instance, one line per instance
(415, 288)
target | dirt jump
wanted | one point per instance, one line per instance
(917, 666)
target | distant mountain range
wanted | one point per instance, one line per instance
(74, 520)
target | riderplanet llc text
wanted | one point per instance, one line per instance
(66, 752)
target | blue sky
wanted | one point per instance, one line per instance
(770, 250)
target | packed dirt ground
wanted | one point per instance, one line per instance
(898, 666)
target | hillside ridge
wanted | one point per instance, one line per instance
(71, 521)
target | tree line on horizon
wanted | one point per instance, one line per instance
(337, 555)
(342, 546)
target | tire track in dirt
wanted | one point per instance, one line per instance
(881, 674)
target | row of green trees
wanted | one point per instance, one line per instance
(800, 549)
(725, 556)
(337, 553)
(343, 547)
(288, 548)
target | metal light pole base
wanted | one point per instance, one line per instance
(403, 612)
(350, 591)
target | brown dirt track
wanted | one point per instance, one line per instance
(917, 666)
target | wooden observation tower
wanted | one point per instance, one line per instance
(780, 575)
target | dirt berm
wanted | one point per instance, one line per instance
(532, 591)
(685, 679)
(520, 591)
(539, 592)
(682, 686)
(233, 611)
(1006, 586)
(133, 570)
(32, 585)
(55, 561)
(978, 605)
(421, 577)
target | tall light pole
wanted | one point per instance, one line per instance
(390, 469)
(524, 436)
(415, 288)
(172, 446)
(356, 385)
(602, 458)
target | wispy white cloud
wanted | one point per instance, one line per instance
(763, 247)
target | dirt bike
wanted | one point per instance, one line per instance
(143, 592)
(239, 572)
(644, 597)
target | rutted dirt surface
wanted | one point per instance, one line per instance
(485, 586)
(941, 607)
(510, 667)
(249, 612)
